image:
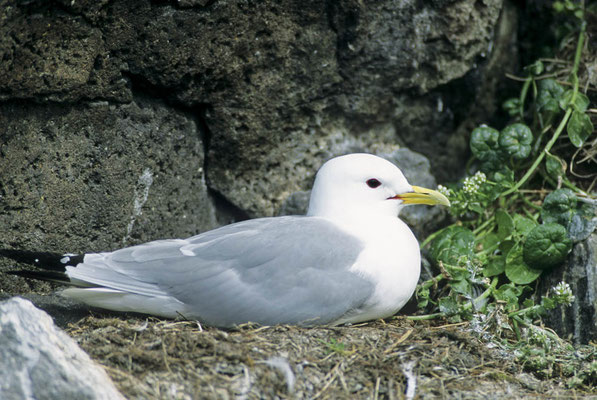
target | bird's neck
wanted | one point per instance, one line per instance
(364, 223)
(338, 211)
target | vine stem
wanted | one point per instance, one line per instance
(578, 53)
(548, 147)
(528, 202)
(525, 310)
(562, 125)
(434, 235)
(430, 282)
(425, 317)
(484, 225)
(523, 95)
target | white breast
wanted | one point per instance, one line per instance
(391, 259)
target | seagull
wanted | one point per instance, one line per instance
(350, 259)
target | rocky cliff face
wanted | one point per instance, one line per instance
(125, 121)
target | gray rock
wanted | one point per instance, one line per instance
(63, 310)
(346, 79)
(273, 82)
(97, 177)
(296, 204)
(578, 321)
(55, 57)
(39, 361)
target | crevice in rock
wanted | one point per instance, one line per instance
(199, 5)
(199, 115)
(226, 212)
(344, 26)
(141, 85)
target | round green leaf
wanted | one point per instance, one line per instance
(580, 104)
(546, 246)
(448, 305)
(579, 128)
(512, 106)
(504, 176)
(516, 270)
(523, 225)
(462, 286)
(555, 166)
(506, 246)
(484, 144)
(490, 240)
(535, 68)
(453, 243)
(549, 95)
(505, 224)
(521, 274)
(509, 293)
(558, 207)
(515, 140)
(495, 266)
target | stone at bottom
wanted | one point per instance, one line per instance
(39, 361)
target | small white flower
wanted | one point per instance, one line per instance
(469, 185)
(479, 178)
(444, 190)
(563, 292)
(562, 289)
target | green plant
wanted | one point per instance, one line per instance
(519, 213)
(546, 246)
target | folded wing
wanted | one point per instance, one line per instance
(258, 270)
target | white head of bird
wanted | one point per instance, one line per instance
(364, 184)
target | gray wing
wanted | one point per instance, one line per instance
(279, 270)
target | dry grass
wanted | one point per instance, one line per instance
(149, 358)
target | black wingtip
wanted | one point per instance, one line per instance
(43, 260)
(52, 276)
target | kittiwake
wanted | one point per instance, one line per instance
(350, 259)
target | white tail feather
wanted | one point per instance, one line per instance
(111, 299)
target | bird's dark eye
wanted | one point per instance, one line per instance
(373, 183)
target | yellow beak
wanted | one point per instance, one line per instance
(421, 195)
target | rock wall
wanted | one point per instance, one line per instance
(125, 121)
(577, 322)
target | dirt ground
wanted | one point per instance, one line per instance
(149, 358)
